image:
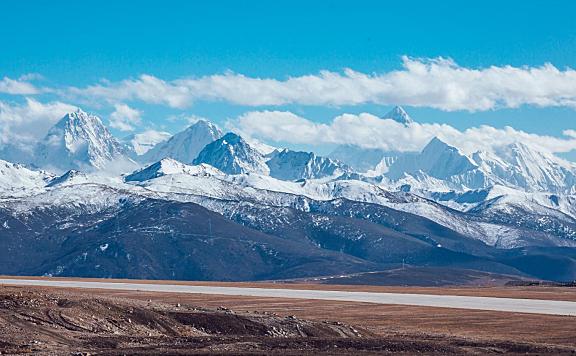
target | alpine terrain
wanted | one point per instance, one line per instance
(208, 205)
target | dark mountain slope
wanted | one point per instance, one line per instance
(158, 239)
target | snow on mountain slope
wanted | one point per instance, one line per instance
(262, 189)
(17, 180)
(172, 180)
(168, 166)
(400, 115)
(539, 224)
(266, 190)
(440, 161)
(74, 198)
(79, 141)
(70, 177)
(261, 147)
(384, 165)
(467, 200)
(233, 155)
(143, 142)
(441, 167)
(518, 165)
(186, 145)
(293, 165)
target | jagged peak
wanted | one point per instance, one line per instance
(79, 140)
(233, 155)
(204, 124)
(287, 151)
(400, 115)
(232, 138)
(79, 121)
(81, 115)
(185, 146)
(436, 144)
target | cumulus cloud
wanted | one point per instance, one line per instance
(369, 131)
(124, 118)
(27, 122)
(437, 83)
(19, 86)
(146, 88)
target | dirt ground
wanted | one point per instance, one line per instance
(58, 321)
(385, 319)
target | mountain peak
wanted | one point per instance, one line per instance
(293, 165)
(78, 141)
(233, 155)
(233, 139)
(399, 115)
(438, 160)
(78, 118)
(203, 123)
(167, 166)
(185, 145)
(436, 143)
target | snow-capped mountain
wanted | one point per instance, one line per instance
(79, 141)
(142, 142)
(399, 115)
(261, 147)
(70, 177)
(268, 191)
(486, 210)
(442, 162)
(169, 166)
(440, 166)
(186, 145)
(231, 154)
(15, 179)
(292, 165)
(356, 218)
(520, 166)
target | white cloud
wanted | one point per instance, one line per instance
(146, 88)
(571, 133)
(142, 142)
(189, 119)
(369, 131)
(437, 83)
(27, 122)
(31, 76)
(17, 87)
(124, 118)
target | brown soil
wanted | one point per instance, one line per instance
(382, 320)
(56, 321)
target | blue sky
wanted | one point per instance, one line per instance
(80, 43)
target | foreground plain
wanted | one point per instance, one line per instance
(58, 321)
(518, 305)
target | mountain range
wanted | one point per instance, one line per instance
(209, 205)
